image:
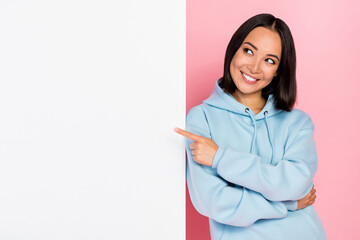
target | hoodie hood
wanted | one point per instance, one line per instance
(223, 100)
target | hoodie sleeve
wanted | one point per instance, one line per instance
(214, 197)
(290, 179)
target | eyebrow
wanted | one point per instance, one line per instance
(272, 55)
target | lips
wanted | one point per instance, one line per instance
(248, 79)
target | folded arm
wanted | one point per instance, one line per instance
(216, 198)
(290, 179)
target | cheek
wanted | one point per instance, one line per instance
(238, 60)
(235, 66)
(270, 74)
(233, 69)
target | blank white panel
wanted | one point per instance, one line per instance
(90, 92)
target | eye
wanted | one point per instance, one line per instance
(269, 60)
(247, 50)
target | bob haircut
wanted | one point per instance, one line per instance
(283, 85)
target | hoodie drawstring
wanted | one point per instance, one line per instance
(269, 134)
(254, 135)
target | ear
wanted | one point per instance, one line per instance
(275, 74)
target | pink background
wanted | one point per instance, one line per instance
(328, 64)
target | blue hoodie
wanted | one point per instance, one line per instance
(264, 164)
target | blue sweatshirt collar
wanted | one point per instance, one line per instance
(223, 100)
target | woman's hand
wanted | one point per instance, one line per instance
(307, 200)
(203, 149)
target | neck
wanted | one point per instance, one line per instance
(253, 101)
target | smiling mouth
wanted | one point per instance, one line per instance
(251, 79)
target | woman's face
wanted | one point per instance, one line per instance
(256, 61)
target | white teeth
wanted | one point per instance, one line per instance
(249, 78)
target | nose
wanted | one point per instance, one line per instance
(254, 66)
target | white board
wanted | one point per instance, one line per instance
(90, 92)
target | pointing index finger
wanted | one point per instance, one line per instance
(187, 134)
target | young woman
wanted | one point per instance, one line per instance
(251, 157)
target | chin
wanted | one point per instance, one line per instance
(246, 90)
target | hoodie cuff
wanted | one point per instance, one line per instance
(291, 205)
(217, 157)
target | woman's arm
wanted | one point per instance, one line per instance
(290, 179)
(214, 197)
